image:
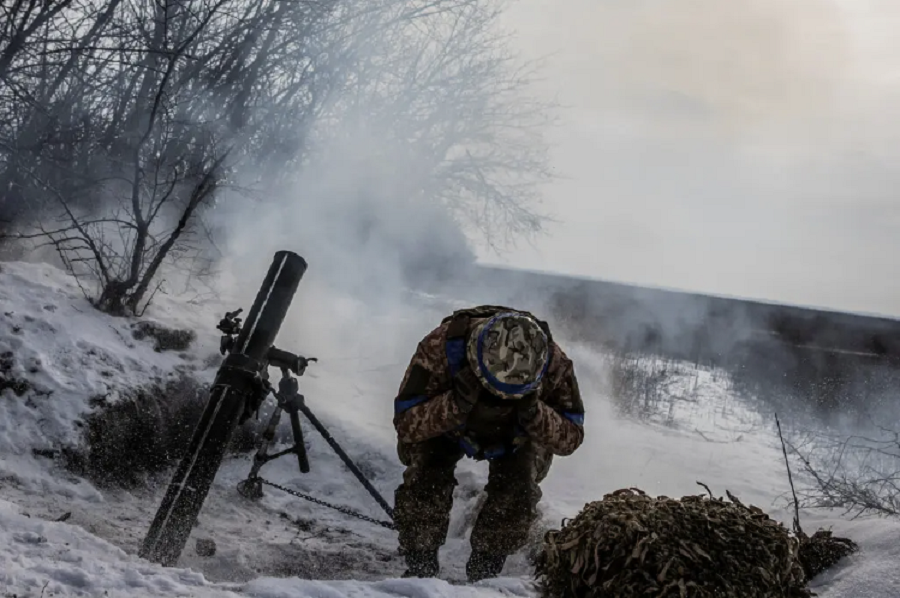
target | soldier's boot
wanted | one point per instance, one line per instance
(422, 563)
(483, 565)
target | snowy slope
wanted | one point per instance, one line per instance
(69, 354)
(55, 340)
(61, 559)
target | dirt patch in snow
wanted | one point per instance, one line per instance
(7, 380)
(163, 337)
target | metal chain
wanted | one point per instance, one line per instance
(344, 510)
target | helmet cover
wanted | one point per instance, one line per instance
(509, 353)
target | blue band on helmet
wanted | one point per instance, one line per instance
(575, 418)
(512, 389)
(456, 354)
(407, 404)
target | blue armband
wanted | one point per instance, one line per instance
(402, 405)
(575, 418)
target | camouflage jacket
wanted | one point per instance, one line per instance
(426, 408)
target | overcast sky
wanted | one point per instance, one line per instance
(742, 148)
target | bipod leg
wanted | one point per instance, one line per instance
(251, 487)
(292, 406)
(291, 401)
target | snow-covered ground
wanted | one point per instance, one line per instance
(60, 535)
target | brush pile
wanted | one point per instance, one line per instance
(630, 544)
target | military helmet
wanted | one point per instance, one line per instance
(509, 353)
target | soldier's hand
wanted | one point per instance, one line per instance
(527, 407)
(467, 388)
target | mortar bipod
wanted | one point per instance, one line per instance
(290, 400)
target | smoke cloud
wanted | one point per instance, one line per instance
(746, 149)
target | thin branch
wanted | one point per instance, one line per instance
(787, 465)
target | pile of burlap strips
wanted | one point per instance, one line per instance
(630, 544)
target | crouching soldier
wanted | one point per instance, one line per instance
(491, 384)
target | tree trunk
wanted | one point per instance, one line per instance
(205, 187)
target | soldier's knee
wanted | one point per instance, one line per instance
(430, 474)
(520, 469)
(437, 452)
(514, 493)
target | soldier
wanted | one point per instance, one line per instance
(491, 384)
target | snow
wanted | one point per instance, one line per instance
(281, 588)
(285, 547)
(67, 353)
(62, 559)
(873, 571)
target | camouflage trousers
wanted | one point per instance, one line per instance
(423, 501)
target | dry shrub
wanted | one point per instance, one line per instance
(857, 473)
(640, 385)
(129, 440)
(7, 379)
(629, 544)
(650, 389)
(822, 550)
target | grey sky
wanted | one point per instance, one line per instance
(741, 148)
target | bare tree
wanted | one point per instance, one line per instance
(122, 121)
(157, 170)
(441, 79)
(169, 103)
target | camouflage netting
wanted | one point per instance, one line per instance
(630, 544)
